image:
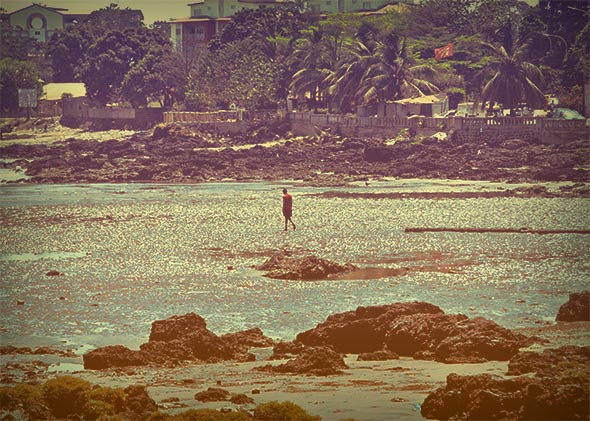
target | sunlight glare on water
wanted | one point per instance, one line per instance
(131, 254)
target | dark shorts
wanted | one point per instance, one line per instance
(287, 213)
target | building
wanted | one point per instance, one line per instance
(426, 105)
(40, 22)
(209, 17)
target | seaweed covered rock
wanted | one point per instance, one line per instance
(284, 265)
(576, 309)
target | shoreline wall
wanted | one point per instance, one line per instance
(467, 129)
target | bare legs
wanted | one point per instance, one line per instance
(288, 219)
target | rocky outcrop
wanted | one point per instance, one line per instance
(178, 339)
(250, 338)
(112, 356)
(551, 362)
(577, 308)
(420, 330)
(317, 361)
(284, 265)
(559, 391)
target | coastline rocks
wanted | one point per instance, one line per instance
(284, 265)
(178, 339)
(112, 356)
(577, 308)
(551, 362)
(559, 390)
(318, 361)
(420, 330)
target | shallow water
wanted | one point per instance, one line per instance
(130, 254)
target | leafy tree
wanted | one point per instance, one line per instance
(67, 51)
(115, 18)
(17, 44)
(113, 56)
(15, 74)
(249, 79)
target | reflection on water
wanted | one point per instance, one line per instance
(130, 254)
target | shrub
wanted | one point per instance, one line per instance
(66, 395)
(27, 396)
(104, 401)
(283, 411)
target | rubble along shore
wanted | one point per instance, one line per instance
(188, 153)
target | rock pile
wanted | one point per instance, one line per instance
(177, 339)
(558, 391)
(420, 330)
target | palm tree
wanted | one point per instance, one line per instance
(514, 80)
(314, 60)
(377, 70)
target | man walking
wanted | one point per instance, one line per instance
(287, 208)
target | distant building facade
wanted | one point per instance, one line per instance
(40, 22)
(209, 17)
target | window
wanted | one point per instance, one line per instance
(178, 30)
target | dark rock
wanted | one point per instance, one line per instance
(54, 273)
(416, 329)
(213, 394)
(177, 327)
(251, 338)
(382, 355)
(576, 309)
(283, 350)
(241, 399)
(551, 362)
(453, 338)
(318, 361)
(361, 330)
(112, 356)
(285, 266)
(490, 397)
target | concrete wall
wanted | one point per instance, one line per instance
(540, 129)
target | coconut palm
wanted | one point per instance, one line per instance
(515, 80)
(379, 69)
(314, 59)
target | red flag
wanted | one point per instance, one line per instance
(444, 52)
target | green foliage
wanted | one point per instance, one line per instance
(282, 411)
(66, 396)
(104, 401)
(15, 74)
(250, 79)
(113, 56)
